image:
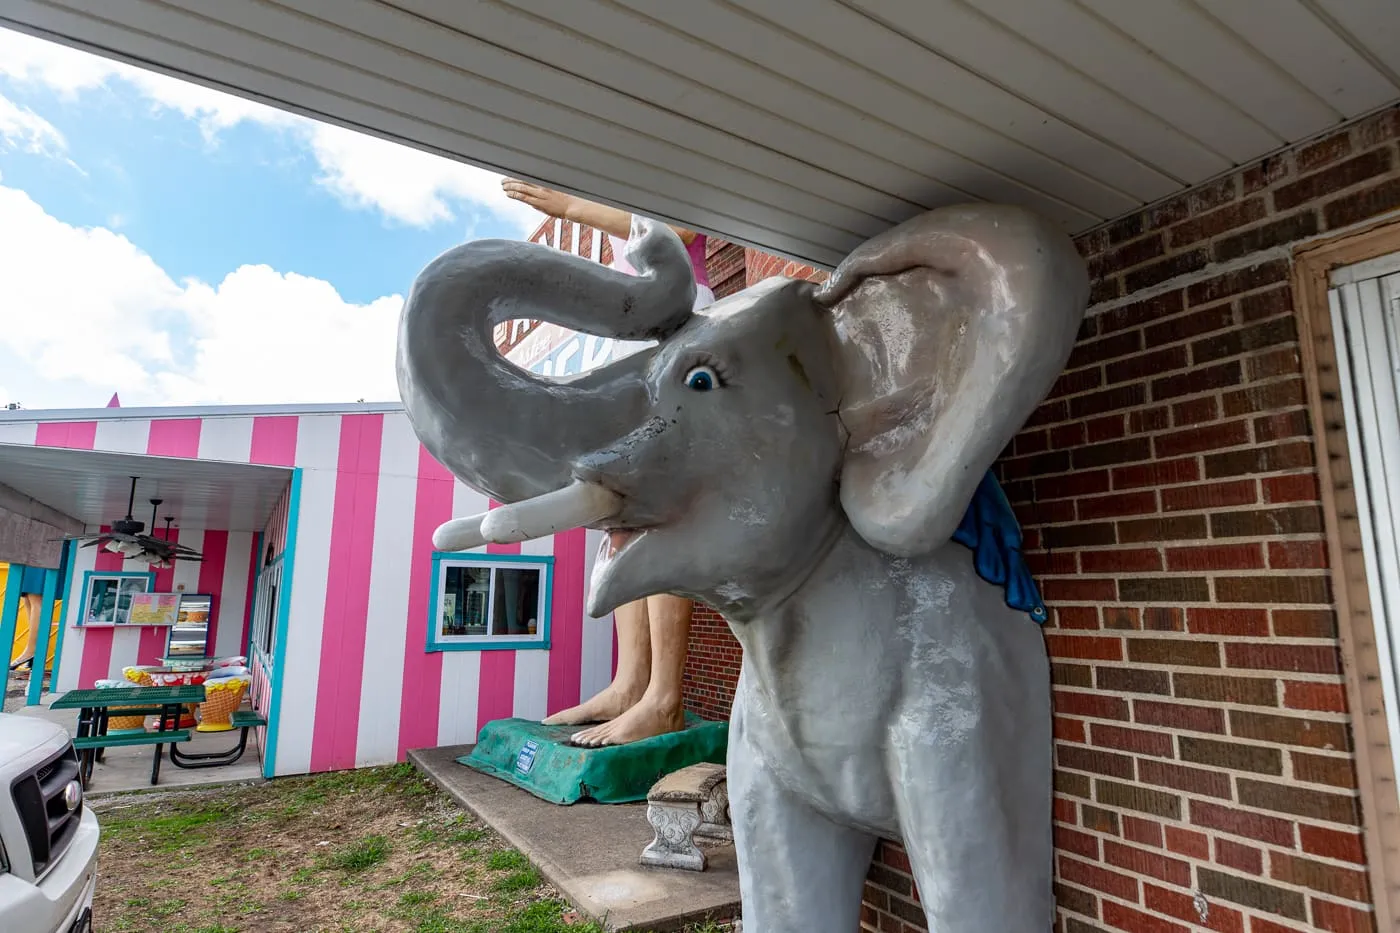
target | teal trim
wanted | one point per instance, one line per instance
(480, 643)
(9, 619)
(41, 643)
(72, 547)
(284, 609)
(87, 579)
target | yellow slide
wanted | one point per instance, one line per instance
(22, 623)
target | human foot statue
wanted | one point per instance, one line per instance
(644, 699)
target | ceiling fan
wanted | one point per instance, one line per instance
(128, 539)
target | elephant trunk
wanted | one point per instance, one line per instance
(506, 432)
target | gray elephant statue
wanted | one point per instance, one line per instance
(813, 461)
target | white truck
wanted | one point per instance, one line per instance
(48, 837)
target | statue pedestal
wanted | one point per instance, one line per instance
(539, 759)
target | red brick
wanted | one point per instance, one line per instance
(1297, 555)
(1327, 698)
(1145, 832)
(1138, 741)
(1179, 716)
(1299, 487)
(1099, 819)
(1180, 777)
(1031, 442)
(1336, 880)
(1077, 617)
(1348, 173)
(1239, 857)
(1124, 618)
(1263, 305)
(1199, 439)
(1209, 497)
(1075, 381)
(1339, 918)
(1323, 152)
(1266, 396)
(1070, 730)
(1135, 921)
(1332, 843)
(1143, 311)
(1363, 204)
(1143, 862)
(1115, 399)
(1072, 840)
(1212, 620)
(1296, 588)
(1260, 925)
(1228, 819)
(1127, 560)
(1094, 761)
(1133, 503)
(1188, 842)
(1153, 363)
(1165, 269)
(1183, 907)
(1299, 659)
(1202, 379)
(1079, 591)
(1148, 419)
(1099, 879)
(1161, 473)
(1218, 221)
(1216, 557)
(1196, 410)
(1153, 530)
(1232, 283)
(1305, 623)
(1090, 704)
(1111, 453)
(1106, 428)
(1064, 810)
(1071, 484)
(1278, 232)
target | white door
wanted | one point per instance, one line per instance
(1365, 307)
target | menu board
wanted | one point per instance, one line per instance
(154, 609)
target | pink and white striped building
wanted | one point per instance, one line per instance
(330, 593)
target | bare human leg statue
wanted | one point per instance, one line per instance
(644, 698)
(33, 607)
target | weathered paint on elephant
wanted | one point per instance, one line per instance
(813, 461)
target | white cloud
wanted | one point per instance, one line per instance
(406, 185)
(99, 315)
(22, 128)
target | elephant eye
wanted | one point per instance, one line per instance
(701, 378)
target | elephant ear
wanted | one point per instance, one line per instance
(951, 328)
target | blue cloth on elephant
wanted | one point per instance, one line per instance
(990, 528)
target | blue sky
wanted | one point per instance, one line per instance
(179, 245)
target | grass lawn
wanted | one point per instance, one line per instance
(378, 849)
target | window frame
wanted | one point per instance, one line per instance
(442, 560)
(90, 575)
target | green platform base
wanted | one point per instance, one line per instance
(539, 759)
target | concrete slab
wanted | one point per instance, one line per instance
(128, 769)
(590, 851)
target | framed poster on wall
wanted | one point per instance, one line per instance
(154, 609)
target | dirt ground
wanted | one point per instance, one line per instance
(378, 849)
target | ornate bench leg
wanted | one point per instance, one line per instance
(674, 845)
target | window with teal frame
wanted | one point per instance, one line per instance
(490, 601)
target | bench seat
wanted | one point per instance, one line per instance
(131, 738)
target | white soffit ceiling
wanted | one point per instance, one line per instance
(93, 487)
(798, 127)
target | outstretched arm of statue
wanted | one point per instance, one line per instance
(579, 211)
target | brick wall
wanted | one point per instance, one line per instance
(1204, 776)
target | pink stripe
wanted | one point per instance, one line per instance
(211, 578)
(254, 562)
(496, 688)
(79, 435)
(347, 598)
(566, 621)
(174, 437)
(274, 440)
(97, 642)
(422, 670)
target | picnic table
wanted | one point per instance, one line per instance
(93, 707)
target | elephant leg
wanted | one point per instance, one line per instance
(975, 816)
(798, 871)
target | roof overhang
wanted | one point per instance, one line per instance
(93, 487)
(801, 129)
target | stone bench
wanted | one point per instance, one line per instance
(684, 804)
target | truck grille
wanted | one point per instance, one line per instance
(40, 798)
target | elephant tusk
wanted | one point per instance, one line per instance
(460, 534)
(573, 506)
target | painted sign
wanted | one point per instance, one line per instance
(154, 609)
